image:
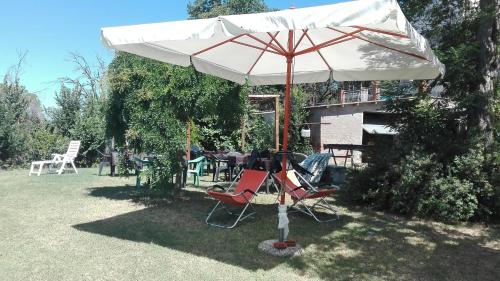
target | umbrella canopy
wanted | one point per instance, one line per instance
(352, 41)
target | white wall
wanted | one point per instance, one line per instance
(345, 125)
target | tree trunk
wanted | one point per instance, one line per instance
(488, 34)
(188, 139)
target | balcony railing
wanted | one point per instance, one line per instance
(363, 95)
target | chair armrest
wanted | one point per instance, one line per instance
(248, 190)
(57, 157)
(245, 191)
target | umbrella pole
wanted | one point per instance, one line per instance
(283, 225)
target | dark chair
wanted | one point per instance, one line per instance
(218, 166)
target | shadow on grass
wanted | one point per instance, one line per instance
(362, 245)
(378, 246)
(180, 225)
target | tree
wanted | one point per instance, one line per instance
(13, 116)
(84, 109)
(150, 102)
(21, 118)
(213, 8)
(446, 160)
(488, 67)
(64, 116)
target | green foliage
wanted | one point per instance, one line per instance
(19, 118)
(432, 149)
(43, 143)
(64, 116)
(298, 116)
(448, 199)
(260, 133)
(89, 128)
(440, 165)
(212, 8)
(151, 103)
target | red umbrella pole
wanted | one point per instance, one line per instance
(289, 59)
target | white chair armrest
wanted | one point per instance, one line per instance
(57, 157)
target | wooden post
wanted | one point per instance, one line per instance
(188, 140)
(375, 87)
(277, 122)
(243, 143)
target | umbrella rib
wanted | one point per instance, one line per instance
(277, 42)
(164, 48)
(304, 32)
(281, 52)
(382, 31)
(328, 43)
(382, 45)
(218, 44)
(262, 53)
(255, 47)
(318, 50)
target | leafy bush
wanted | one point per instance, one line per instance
(417, 186)
(415, 172)
(448, 199)
(43, 143)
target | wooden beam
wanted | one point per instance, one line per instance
(262, 96)
(188, 140)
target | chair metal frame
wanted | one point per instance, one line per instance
(222, 206)
(300, 205)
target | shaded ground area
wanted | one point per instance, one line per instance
(85, 227)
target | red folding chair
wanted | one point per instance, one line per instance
(301, 190)
(239, 197)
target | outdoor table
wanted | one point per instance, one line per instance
(349, 148)
(236, 159)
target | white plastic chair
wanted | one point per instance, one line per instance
(58, 159)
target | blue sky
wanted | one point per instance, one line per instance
(49, 30)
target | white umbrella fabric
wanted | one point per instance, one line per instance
(352, 41)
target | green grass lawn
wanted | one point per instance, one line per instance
(86, 227)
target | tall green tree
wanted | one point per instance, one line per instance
(13, 117)
(488, 34)
(83, 106)
(68, 104)
(150, 102)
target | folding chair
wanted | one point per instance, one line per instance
(241, 197)
(301, 190)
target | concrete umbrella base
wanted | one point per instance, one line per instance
(267, 247)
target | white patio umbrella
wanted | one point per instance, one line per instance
(352, 41)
